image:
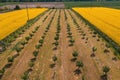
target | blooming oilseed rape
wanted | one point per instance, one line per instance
(11, 21)
(105, 19)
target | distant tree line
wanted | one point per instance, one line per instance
(31, 0)
(50, 0)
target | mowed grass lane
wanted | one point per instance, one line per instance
(105, 19)
(11, 21)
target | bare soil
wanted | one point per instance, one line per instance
(10, 51)
(25, 55)
(101, 59)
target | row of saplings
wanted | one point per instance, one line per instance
(12, 37)
(81, 31)
(35, 53)
(57, 36)
(25, 76)
(105, 68)
(69, 33)
(106, 50)
(56, 43)
(80, 64)
(79, 28)
(71, 40)
(20, 45)
(18, 48)
(53, 65)
(94, 35)
(6, 42)
(94, 49)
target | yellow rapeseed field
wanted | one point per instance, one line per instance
(106, 19)
(11, 21)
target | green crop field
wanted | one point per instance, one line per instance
(113, 4)
(7, 3)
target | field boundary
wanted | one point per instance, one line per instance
(111, 42)
(109, 4)
(3, 42)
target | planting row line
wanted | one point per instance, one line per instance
(18, 48)
(25, 76)
(108, 40)
(57, 36)
(71, 40)
(6, 42)
(83, 34)
(105, 69)
(17, 44)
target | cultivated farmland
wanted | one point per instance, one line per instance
(60, 44)
(11, 21)
(105, 19)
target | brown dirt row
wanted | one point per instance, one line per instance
(21, 63)
(90, 71)
(66, 69)
(55, 71)
(101, 58)
(41, 70)
(9, 51)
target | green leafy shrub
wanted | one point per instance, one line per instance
(35, 53)
(17, 7)
(10, 59)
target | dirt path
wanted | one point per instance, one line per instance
(10, 51)
(21, 63)
(65, 51)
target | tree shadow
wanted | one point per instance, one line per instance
(77, 71)
(1, 75)
(106, 51)
(73, 59)
(8, 65)
(69, 36)
(29, 70)
(86, 42)
(114, 58)
(104, 77)
(52, 65)
(70, 44)
(92, 55)
(33, 59)
(55, 48)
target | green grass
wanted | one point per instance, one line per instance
(113, 4)
(7, 3)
